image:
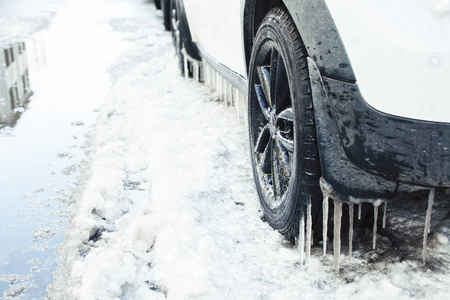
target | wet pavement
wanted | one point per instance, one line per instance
(41, 153)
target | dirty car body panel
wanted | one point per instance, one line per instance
(382, 118)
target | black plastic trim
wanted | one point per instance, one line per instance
(368, 154)
(321, 37)
(399, 149)
(185, 32)
(347, 179)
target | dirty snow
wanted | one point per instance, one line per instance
(166, 206)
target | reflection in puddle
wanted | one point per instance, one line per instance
(14, 80)
(40, 155)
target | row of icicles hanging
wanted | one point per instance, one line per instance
(305, 230)
(233, 97)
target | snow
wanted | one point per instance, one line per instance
(165, 206)
(442, 8)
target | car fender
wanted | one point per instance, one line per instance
(400, 54)
(321, 38)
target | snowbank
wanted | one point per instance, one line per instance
(167, 205)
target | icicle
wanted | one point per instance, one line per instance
(325, 224)
(195, 71)
(227, 93)
(229, 96)
(376, 205)
(186, 68)
(218, 83)
(308, 229)
(237, 103)
(224, 89)
(218, 86)
(427, 225)
(232, 98)
(210, 77)
(301, 239)
(359, 211)
(244, 107)
(337, 234)
(350, 231)
(385, 214)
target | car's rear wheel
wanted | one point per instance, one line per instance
(176, 34)
(158, 4)
(166, 14)
(283, 139)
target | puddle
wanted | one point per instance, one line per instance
(40, 155)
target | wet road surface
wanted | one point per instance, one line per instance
(40, 153)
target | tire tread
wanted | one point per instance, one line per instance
(310, 165)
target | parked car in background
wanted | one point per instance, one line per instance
(346, 99)
(165, 6)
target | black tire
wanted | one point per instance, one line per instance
(283, 140)
(176, 34)
(158, 4)
(166, 14)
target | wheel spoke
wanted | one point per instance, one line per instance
(273, 76)
(265, 108)
(265, 162)
(263, 139)
(286, 143)
(275, 171)
(285, 129)
(284, 158)
(281, 171)
(281, 87)
(287, 115)
(264, 78)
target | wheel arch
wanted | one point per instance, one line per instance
(186, 38)
(317, 29)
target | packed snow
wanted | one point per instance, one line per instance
(165, 206)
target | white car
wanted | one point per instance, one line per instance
(347, 99)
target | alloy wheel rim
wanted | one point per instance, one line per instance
(272, 124)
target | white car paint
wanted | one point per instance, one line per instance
(399, 50)
(216, 27)
(400, 53)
